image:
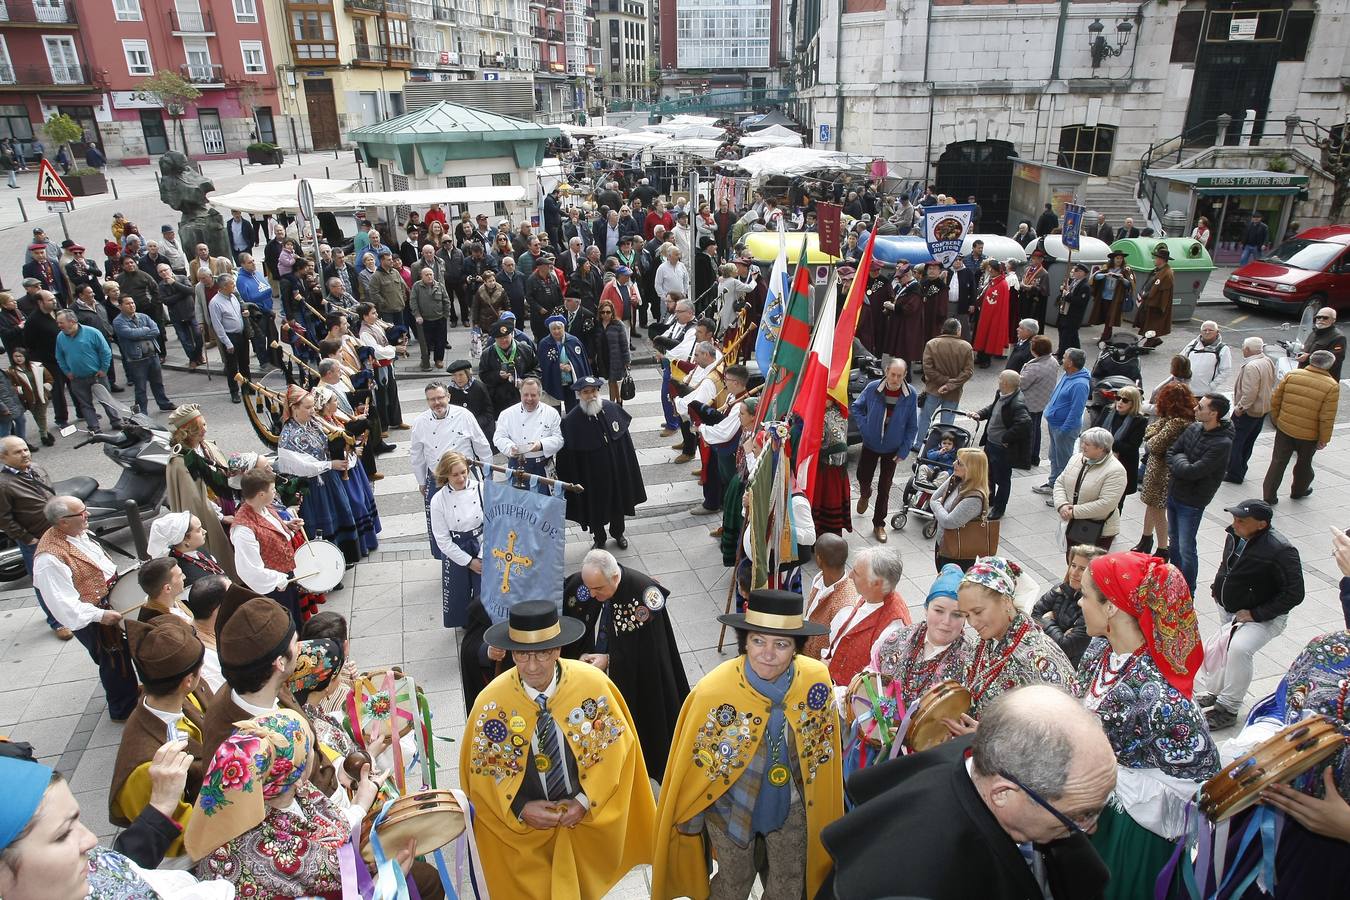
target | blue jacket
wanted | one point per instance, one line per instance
(256, 289)
(1064, 412)
(869, 410)
(136, 335)
(85, 354)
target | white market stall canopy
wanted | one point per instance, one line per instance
(699, 147)
(272, 196)
(590, 131)
(634, 142)
(795, 161)
(704, 132)
(334, 195)
(773, 136)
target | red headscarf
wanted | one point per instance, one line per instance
(1155, 594)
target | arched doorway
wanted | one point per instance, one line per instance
(983, 169)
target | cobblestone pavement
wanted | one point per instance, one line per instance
(49, 692)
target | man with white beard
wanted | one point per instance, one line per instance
(598, 454)
(529, 433)
(440, 429)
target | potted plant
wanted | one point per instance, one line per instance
(85, 182)
(265, 154)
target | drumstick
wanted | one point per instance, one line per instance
(295, 578)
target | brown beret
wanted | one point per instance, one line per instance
(258, 630)
(164, 649)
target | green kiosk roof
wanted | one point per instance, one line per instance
(449, 131)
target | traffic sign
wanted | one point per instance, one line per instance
(305, 194)
(492, 76)
(50, 186)
(824, 133)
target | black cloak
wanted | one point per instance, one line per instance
(598, 453)
(644, 661)
(927, 807)
(475, 669)
(475, 399)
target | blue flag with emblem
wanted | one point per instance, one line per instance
(1071, 228)
(775, 304)
(523, 537)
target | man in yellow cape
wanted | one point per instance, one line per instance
(719, 735)
(552, 765)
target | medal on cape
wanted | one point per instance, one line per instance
(778, 775)
(542, 763)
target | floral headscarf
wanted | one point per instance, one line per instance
(1155, 593)
(1318, 681)
(264, 758)
(315, 666)
(996, 573)
(294, 394)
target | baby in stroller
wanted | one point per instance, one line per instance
(936, 466)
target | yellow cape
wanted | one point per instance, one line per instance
(699, 771)
(613, 837)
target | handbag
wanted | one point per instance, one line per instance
(627, 390)
(978, 537)
(1082, 531)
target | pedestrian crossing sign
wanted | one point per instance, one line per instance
(50, 186)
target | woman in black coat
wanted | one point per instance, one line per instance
(613, 355)
(582, 285)
(1126, 424)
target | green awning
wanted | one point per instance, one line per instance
(1247, 191)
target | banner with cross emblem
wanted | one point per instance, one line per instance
(524, 533)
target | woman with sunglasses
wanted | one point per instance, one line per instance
(1013, 650)
(1137, 676)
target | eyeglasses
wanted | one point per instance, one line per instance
(76, 515)
(1075, 826)
(534, 655)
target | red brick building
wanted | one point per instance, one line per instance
(54, 64)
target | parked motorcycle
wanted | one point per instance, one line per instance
(1117, 366)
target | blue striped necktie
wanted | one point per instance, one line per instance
(546, 735)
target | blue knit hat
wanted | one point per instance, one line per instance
(946, 584)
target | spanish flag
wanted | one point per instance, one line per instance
(841, 358)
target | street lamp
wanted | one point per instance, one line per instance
(1098, 46)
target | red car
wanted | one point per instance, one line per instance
(1313, 267)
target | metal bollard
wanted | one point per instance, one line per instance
(112, 182)
(325, 172)
(241, 165)
(23, 212)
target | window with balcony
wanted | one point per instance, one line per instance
(255, 63)
(199, 68)
(64, 60)
(7, 73)
(313, 36)
(138, 58)
(127, 10)
(246, 11)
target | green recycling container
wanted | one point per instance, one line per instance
(1191, 265)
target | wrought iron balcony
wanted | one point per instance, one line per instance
(397, 7)
(48, 77)
(372, 6)
(25, 12)
(191, 22)
(207, 75)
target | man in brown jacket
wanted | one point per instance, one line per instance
(1155, 298)
(1251, 402)
(24, 490)
(1303, 408)
(948, 363)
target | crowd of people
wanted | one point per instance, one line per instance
(1090, 709)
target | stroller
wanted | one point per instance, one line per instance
(926, 475)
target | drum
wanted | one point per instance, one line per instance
(126, 593)
(1279, 759)
(944, 700)
(319, 566)
(860, 707)
(432, 817)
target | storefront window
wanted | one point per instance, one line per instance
(1228, 217)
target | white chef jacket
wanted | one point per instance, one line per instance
(248, 560)
(433, 437)
(56, 582)
(517, 428)
(453, 510)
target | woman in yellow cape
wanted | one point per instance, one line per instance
(755, 757)
(551, 827)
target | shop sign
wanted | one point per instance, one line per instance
(1248, 181)
(135, 100)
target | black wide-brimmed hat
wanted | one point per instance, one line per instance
(534, 625)
(774, 612)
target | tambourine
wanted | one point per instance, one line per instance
(944, 700)
(373, 706)
(434, 818)
(1279, 759)
(870, 715)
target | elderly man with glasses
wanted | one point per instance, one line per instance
(1325, 336)
(1002, 815)
(75, 576)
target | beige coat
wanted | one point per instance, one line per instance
(1254, 385)
(947, 361)
(1100, 494)
(1304, 404)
